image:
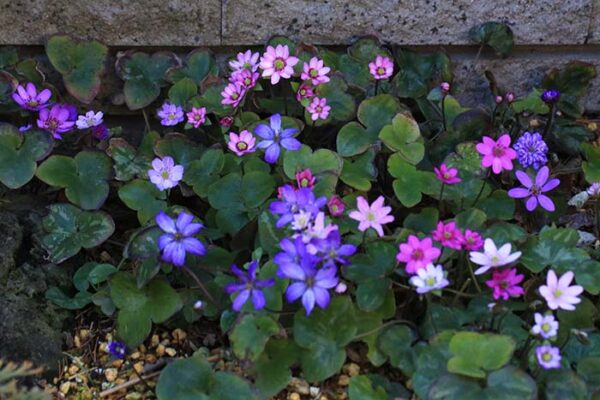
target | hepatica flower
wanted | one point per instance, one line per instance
(170, 114)
(178, 238)
(332, 250)
(89, 120)
(249, 287)
(429, 279)
(548, 356)
(100, 132)
(28, 97)
(241, 144)
(318, 108)
(531, 150)
(196, 117)
(381, 67)
(116, 349)
(497, 153)
(534, 191)
(336, 206)
(594, 189)
(56, 120)
(315, 71)
(493, 257)
(274, 138)
(293, 202)
(559, 293)
(448, 235)
(505, 284)
(305, 91)
(448, 176)
(310, 283)
(164, 173)
(226, 121)
(550, 96)
(545, 326)
(233, 94)
(471, 241)
(305, 179)
(277, 63)
(245, 77)
(417, 254)
(246, 60)
(371, 216)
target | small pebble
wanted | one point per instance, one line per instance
(294, 396)
(111, 374)
(179, 335)
(155, 340)
(160, 350)
(139, 367)
(65, 387)
(135, 356)
(314, 392)
(171, 351)
(352, 369)
(343, 380)
(73, 369)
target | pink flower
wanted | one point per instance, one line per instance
(277, 63)
(197, 116)
(381, 68)
(559, 293)
(305, 91)
(226, 121)
(497, 154)
(336, 206)
(448, 176)
(471, 241)
(305, 179)
(417, 254)
(318, 108)
(315, 71)
(245, 77)
(505, 284)
(241, 144)
(233, 94)
(445, 87)
(371, 216)
(165, 174)
(448, 235)
(247, 60)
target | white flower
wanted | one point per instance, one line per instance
(493, 257)
(165, 174)
(432, 277)
(558, 292)
(301, 220)
(89, 120)
(545, 325)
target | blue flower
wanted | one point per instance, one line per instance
(531, 150)
(333, 250)
(178, 238)
(294, 201)
(274, 137)
(550, 96)
(116, 349)
(250, 287)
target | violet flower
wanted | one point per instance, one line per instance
(533, 191)
(57, 120)
(249, 287)
(178, 238)
(293, 201)
(116, 349)
(170, 114)
(274, 138)
(531, 150)
(332, 249)
(28, 97)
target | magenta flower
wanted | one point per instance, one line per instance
(497, 154)
(57, 120)
(371, 216)
(548, 356)
(246, 60)
(233, 94)
(533, 191)
(170, 114)
(305, 91)
(241, 144)
(28, 98)
(448, 235)
(445, 87)
(318, 108)
(559, 293)
(336, 206)
(471, 241)
(196, 117)
(448, 176)
(277, 63)
(381, 67)
(505, 284)
(226, 121)
(178, 238)
(417, 254)
(315, 71)
(245, 77)
(164, 173)
(305, 179)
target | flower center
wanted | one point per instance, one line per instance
(279, 64)
(380, 71)
(546, 327)
(165, 174)
(303, 92)
(314, 73)
(247, 65)
(310, 281)
(52, 124)
(503, 284)
(371, 216)
(417, 254)
(304, 182)
(171, 116)
(247, 81)
(447, 235)
(547, 357)
(197, 117)
(234, 96)
(319, 109)
(446, 175)
(498, 151)
(430, 281)
(535, 190)
(177, 237)
(557, 293)
(495, 259)
(241, 146)
(33, 103)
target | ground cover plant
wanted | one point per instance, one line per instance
(313, 203)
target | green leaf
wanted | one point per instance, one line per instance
(256, 187)
(251, 334)
(403, 136)
(472, 218)
(342, 103)
(273, 366)
(360, 171)
(431, 363)
(230, 387)
(474, 353)
(591, 167)
(589, 369)
(533, 103)
(80, 63)
(84, 177)
(353, 139)
(565, 384)
(573, 81)
(129, 163)
(497, 35)
(361, 388)
(58, 297)
(371, 295)
(396, 343)
(324, 164)
(143, 197)
(185, 379)
(554, 247)
(68, 229)
(197, 66)
(503, 232)
(424, 221)
(143, 244)
(410, 183)
(499, 205)
(201, 173)
(92, 272)
(379, 261)
(138, 308)
(19, 153)
(182, 91)
(418, 72)
(8, 56)
(178, 146)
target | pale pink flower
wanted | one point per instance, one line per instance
(548, 356)
(559, 293)
(233, 94)
(381, 67)
(545, 325)
(197, 116)
(315, 71)
(417, 254)
(246, 60)
(318, 108)
(372, 216)
(241, 144)
(245, 77)
(497, 153)
(448, 235)
(164, 173)
(445, 87)
(505, 284)
(277, 63)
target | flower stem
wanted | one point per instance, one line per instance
(444, 113)
(200, 284)
(380, 327)
(550, 121)
(430, 313)
(376, 86)
(441, 197)
(473, 275)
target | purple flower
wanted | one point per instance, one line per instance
(333, 250)
(170, 114)
(533, 191)
(116, 349)
(178, 238)
(100, 132)
(59, 119)
(28, 98)
(548, 356)
(293, 202)
(245, 77)
(274, 136)
(293, 252)
(246, 60)
(25, 128)
(250, 287)
(550, 96)
(531, 150)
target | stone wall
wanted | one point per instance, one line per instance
(548, 33)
